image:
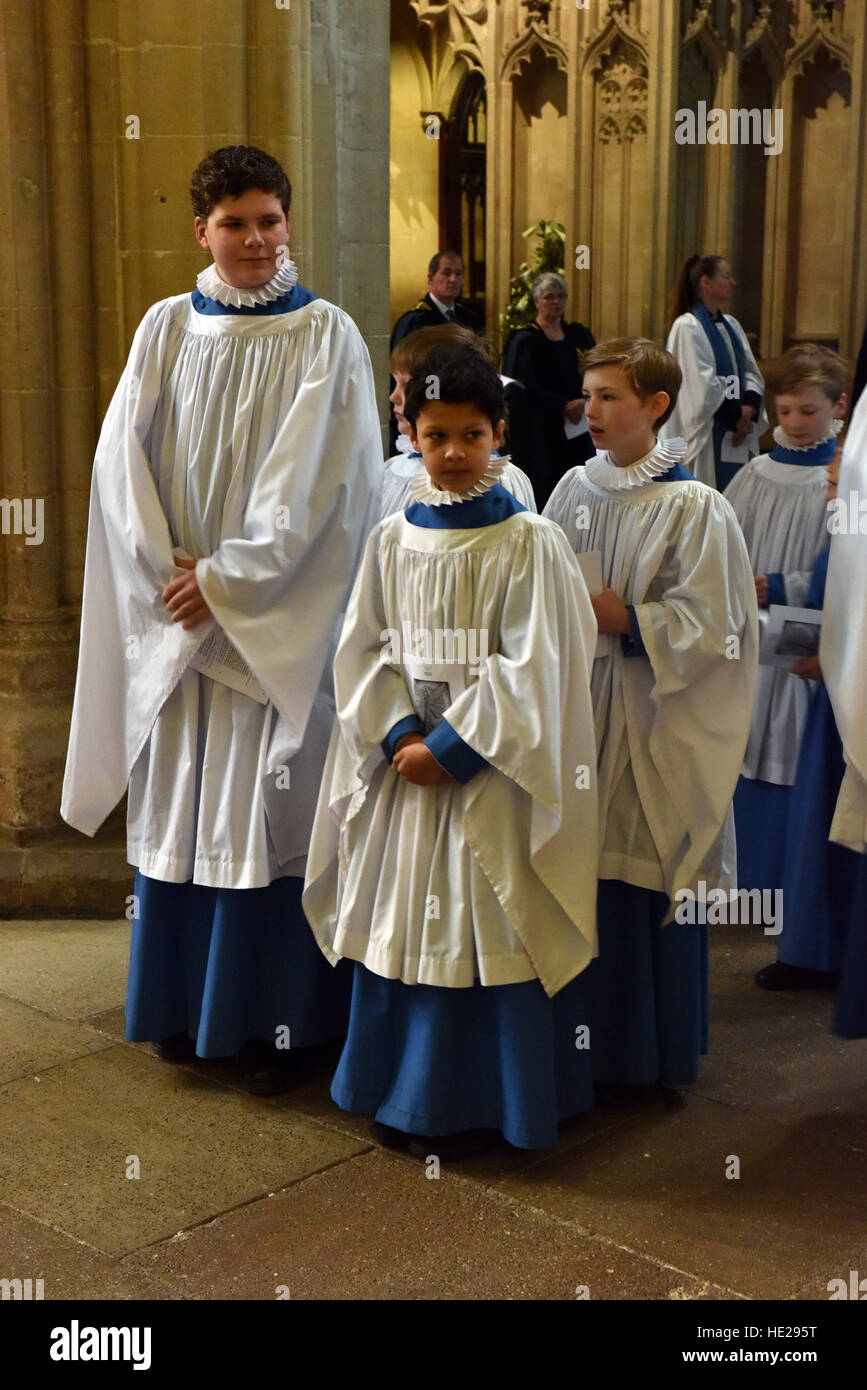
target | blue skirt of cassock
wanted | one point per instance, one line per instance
(229, 964)
(850, 1016)
(761, 815)
(817, 875)
(647, 991)
(430, 1060)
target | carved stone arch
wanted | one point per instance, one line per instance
(702, 32)
(616, 35)
(521, 51)
(761, 39)
(636, 126)
(821, 37)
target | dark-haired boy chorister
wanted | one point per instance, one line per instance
(232, 491)
(453, 856)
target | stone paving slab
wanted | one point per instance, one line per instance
(202, 1148)
(71, 969)
(796, 1215)
(774, 1051)
(30, 1041)
(378, 1228)
(68, 1269)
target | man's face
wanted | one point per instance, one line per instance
(448, 281)
(248, 238)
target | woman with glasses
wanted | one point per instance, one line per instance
(547, 432)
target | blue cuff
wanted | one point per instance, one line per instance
(410, 725)
(776, 589)
(633, 645)
(459, 760)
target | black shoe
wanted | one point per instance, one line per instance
(622, 1094)
(450, 1148)
(782, 976)
(178, 1048)
(270, 1071)
(389, 1137)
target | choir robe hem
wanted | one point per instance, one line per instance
(434, 970)
(228, 965)
(435, 1061)
(208, 873)
(646, 992)
(761, 821)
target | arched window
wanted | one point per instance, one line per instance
(462, 203)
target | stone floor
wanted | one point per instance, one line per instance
(257, 1199)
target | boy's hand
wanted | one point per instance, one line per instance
(574, 410)
(808, 669)
(762, 590)
(183, 597)
(415, 762)
(611, 614)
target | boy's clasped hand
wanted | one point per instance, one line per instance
(183, 597)
(415, 762)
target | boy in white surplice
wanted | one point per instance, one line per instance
(457, 867)
(232, 492)
(673, 685)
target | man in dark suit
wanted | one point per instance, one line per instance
(445, 279)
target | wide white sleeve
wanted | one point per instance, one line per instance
(701, 639)
(753, 381)
(279, 587)
(369, 686)
(843, 646)
(131, 654)
(702, 391)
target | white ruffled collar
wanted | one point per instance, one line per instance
(212, 286)
(662, 457)
(425, 490)
(781, 438)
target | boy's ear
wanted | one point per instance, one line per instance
(841, 407)
(201, 229)
(499, 433)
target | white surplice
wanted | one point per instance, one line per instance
(671, 726)
(843, 648)
(251, 442)
(703, 392)
(493, 880)
(396, 492)
(781, 509)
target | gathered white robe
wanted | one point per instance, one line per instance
(703, 392)
(493, 880)
(781, 509)
(671, 727)
(396, 493)
(252, 443)
(843, 646)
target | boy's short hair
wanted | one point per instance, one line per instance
(415, 347)
(231, 171)
(647, 367)
(808, 364)
(461, 376)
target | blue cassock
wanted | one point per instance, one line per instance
(226, 965)
(824, 884)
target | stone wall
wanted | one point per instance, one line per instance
(605, 161)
